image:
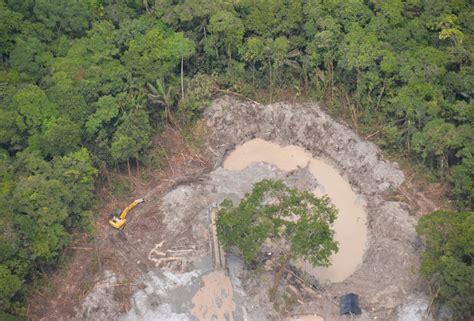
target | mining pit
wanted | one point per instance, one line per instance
(185, 275)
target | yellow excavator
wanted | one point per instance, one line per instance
(118, 218)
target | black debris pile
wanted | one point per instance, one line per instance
(350, 304)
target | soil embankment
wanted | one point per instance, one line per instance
(386, 275)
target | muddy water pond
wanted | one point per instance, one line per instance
(350, 226)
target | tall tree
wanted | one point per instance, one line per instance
(131, 137)
(436, 143)
(72, 17)
(226, 34)
(447, 259)
(155, 54)
(296, 224)
(10, 24)
(31, 58)
(33, 108)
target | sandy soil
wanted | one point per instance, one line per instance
(214, 301)
(350, 226)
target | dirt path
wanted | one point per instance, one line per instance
(216, 249)
(214, 300)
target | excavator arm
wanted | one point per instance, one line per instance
(129, 207)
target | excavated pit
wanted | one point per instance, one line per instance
(350, 226)
(328, 158)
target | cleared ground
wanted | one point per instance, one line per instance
(163, 267)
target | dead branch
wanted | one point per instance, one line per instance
(115, 285)
(226, 91)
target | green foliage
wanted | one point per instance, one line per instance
(59, 136)
(447, 259)
(106, 110)
(436, 141)
(295, 223)
(76, 173)
(84, 84)
(463, 183)
(359, 49)
(198, 96)
(132, 136)
(119, 186)
(8, 131)
(10, 23)
(269, 18)
(33, 108)
(43, 201)
(91, 64)
(30, 58)
(39, 212)
(156, 53)
(71, 16)
(227, 32)
(70, 101)
(423, 64)
(9, 284)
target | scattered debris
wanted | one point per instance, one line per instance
(159, 258)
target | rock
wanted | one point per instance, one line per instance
(100, 304)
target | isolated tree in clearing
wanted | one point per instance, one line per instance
(294, 224)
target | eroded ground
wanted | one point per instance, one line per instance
(350, 226)
(163, 267)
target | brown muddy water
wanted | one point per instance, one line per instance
(350, 225)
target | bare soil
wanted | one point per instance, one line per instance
(158, 264)
(122, 254)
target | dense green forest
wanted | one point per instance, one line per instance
(84, 84)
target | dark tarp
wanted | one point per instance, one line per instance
(350, 304)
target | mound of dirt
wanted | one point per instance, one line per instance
(304, 125)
